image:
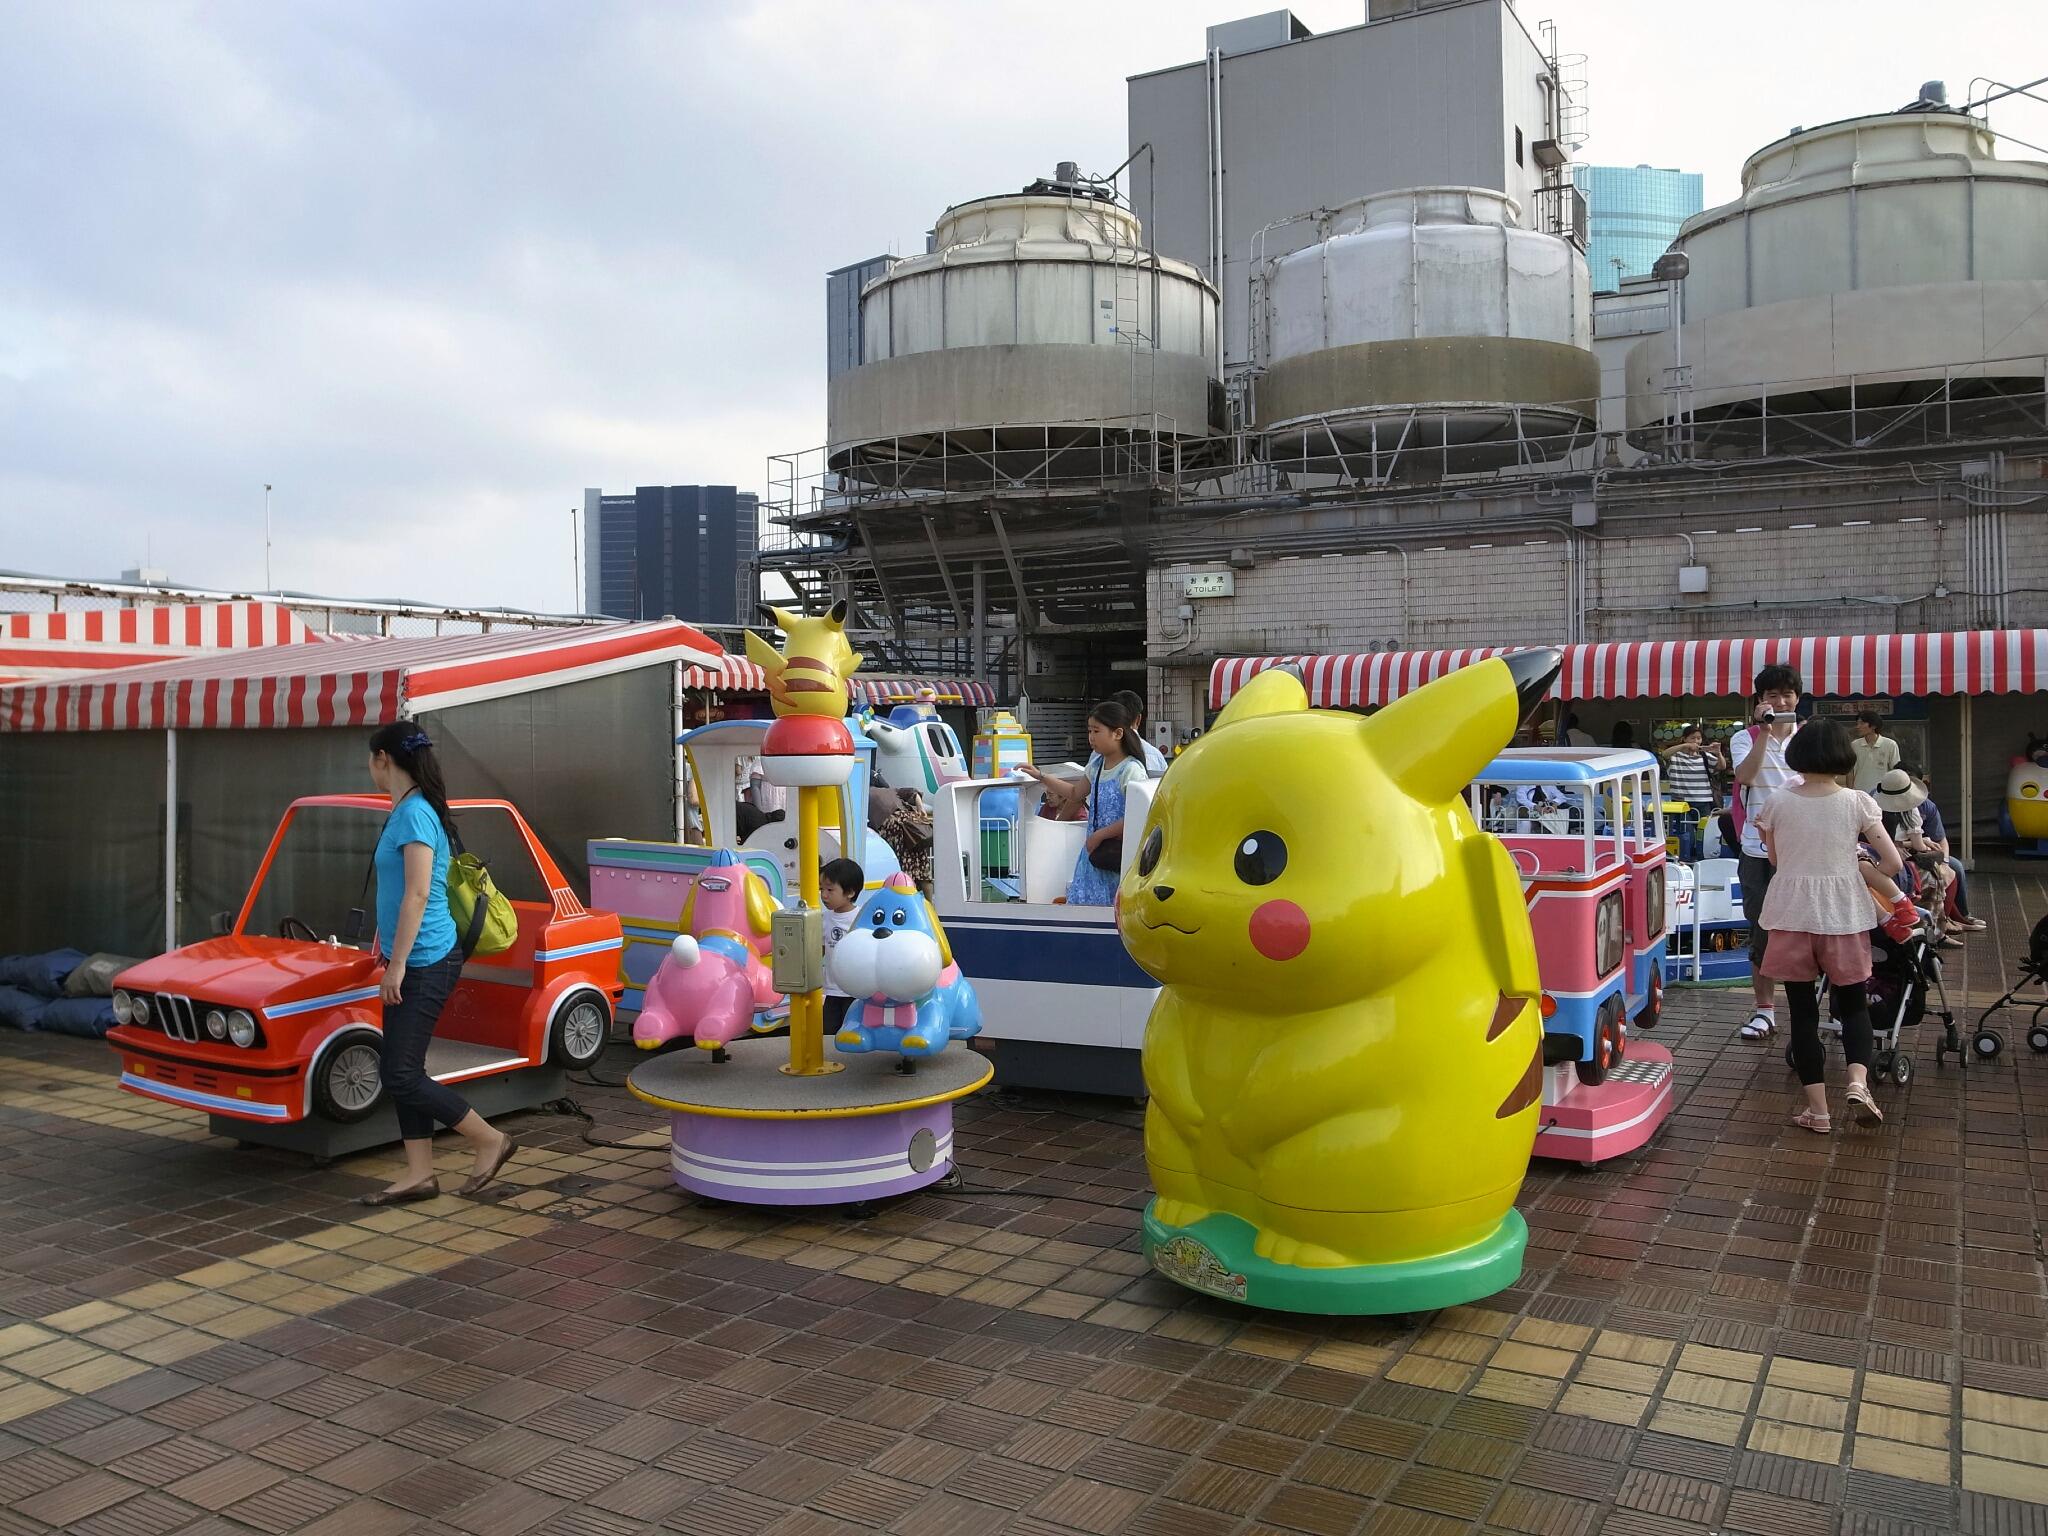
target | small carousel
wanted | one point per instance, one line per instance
(773, 1121)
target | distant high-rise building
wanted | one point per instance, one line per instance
(681, 549)
(844, 346)
(1634, 212)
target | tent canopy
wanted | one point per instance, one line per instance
(735, 674)
(368, 682)
(41, 647)
(1957, 662)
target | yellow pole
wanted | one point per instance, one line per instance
(807, 1009)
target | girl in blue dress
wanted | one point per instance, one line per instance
(1120, 762)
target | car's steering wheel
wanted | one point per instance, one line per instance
(292, 928)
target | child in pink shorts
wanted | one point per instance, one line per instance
(1817, 910)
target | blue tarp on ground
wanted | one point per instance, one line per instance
(88, 1017)
(41, 974)
(20, 1009)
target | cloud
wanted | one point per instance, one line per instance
(431, 269)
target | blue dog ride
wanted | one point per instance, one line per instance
(894, 962)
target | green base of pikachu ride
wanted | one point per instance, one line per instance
(1214, 1256)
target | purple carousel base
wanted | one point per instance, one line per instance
(744, 1131)
(822, 1162)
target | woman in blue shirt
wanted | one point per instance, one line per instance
(423, 962)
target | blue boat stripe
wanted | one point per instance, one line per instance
(579, 949)
(200, 1100)
(313, 1004)
(1067, 957)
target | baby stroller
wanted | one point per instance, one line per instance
(1988, 1042)
(1904, 978)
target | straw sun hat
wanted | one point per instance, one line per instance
(1899, 791)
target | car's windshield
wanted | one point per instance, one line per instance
(322, 869)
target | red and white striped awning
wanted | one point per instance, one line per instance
(1853, 666)
(37, 647)
(367, 683)
(736, 674)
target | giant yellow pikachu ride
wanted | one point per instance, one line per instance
(1345, 1060)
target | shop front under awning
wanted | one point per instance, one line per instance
(1975, 661)
(735, 674)
(1958, 663)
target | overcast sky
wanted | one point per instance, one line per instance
(431, 268)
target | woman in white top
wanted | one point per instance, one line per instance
(1817, 910)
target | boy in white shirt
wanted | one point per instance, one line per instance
(840, 884)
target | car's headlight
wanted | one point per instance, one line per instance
(217, 1024)
(241, 1029)
(124, 1007)
(138, 1009)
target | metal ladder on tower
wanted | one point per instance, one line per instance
(1127, 326)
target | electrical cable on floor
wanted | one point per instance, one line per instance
(567, 1106)
(589, 1074)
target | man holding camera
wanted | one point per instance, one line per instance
(1758, 754)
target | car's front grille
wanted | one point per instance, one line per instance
(181, 1018)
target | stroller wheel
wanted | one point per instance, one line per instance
(1789, 1061)
(1902, 1069)
(2037, 1038)
(1986, 1044)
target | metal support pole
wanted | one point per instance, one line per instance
(1969, 791)
(681, 774)
(807, 1009)
(980, 622)
(170, 839)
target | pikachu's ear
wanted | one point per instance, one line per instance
(784, 619)
(1437, 739)
(760, 905)
(1277, 691)
(836, 614)
(939, 932)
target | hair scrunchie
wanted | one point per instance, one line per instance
(418, 741)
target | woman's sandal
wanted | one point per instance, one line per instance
(1759, 1026)
(1807, 1120)
(1864, 1107)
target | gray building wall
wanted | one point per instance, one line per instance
(1432, 97)
(1854, 557)
(844, 341)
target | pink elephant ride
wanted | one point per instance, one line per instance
(713, 984)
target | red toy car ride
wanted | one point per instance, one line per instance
(270, 1023)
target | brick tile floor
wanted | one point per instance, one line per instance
(1740, 1328)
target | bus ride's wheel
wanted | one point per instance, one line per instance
(583, 1026)
(349, 1082)
(1653, 1006)
(1606, 1045)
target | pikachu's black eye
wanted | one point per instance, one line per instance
(1261, 858)
(1148, 856)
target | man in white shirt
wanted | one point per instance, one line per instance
(1758, 754)
(1876, 753)
(1134, 707)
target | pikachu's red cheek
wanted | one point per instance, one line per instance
(1279, 930)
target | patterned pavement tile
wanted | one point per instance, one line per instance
(1731, 1330)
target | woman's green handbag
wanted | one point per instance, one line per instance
(484, 920)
